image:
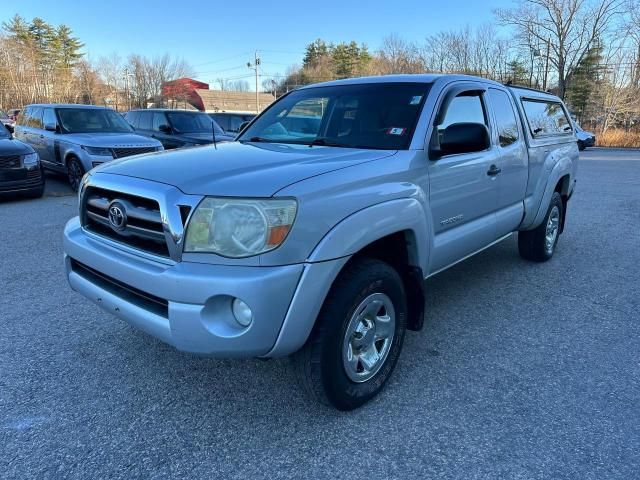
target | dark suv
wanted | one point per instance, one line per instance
(20, 169)
(177, 128)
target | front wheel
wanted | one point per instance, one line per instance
(581, 145)
(540, 243)
(75, 172)
(357, 338)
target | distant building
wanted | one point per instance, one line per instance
(188, 91)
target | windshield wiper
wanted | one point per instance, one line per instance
(326, 142)
(260, 139)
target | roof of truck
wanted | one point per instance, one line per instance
(402, 78)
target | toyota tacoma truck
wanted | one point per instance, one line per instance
(311, 235)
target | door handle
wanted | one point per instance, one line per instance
(494, 170)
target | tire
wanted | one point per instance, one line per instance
(534, 244)
(581, 146)
(75, 172)
(367, 296)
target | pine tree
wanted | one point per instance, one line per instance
(585, 81)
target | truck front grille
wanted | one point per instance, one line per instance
(127, 152)
(142, 226)
(10, 161)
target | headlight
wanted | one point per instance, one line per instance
(239, 227)
(98, 151)
(30, 160)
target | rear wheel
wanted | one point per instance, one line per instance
(75, 172)
(357, 338)
(540, 243)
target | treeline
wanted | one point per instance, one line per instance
(40, 62)
(587, 52)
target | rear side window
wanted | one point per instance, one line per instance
(144, 123)
(35, 118)
(222, 120)
(505, 117)
(546, 118)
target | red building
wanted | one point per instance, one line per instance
(184, 89)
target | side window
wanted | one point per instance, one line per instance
(159, 119)
(132, 119)
(546, 118)
(35, 119)
(505, 117)
(223, 121)
(49, 117)
(23, 118)
(465, 108)
(144, 122)
(234, 124)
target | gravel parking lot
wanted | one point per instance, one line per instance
(522, 371)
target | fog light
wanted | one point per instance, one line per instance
(242, 312)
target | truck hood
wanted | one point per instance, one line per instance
(206, 137)
(110, 140)
(237, 169)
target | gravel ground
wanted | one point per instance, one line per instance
(522, 370)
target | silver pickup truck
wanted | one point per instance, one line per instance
(311, 235)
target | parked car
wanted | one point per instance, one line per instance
(232, 122)
(20, 168)
(177, 128)
(585, 139)
(7, 121)
(317, 246)
(73, 139)
(13, 113)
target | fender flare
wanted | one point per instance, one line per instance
(366, 226)
(562, 168)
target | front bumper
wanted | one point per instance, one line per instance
(188, 305)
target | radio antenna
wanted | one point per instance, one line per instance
(213, 129)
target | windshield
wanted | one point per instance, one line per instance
(187, 122)
(374, 115)
(92, 120)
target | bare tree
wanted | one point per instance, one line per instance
(568, 27)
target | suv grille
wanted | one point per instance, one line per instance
(142, 228)
(127, 152)
(10, 161)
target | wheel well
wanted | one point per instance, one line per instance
(69, 156)
(399, 251)
(562, 187)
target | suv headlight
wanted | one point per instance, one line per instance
(30, 160)
(239, 227)
(98, 151)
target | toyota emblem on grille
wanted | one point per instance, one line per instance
(117, 216)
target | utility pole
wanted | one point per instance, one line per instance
(126, 86)
(255, 66)
(546, 66)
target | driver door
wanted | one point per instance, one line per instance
(463, 191)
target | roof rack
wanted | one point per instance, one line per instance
(509, 84)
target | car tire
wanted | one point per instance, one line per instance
(358, 336)
(539, 244)
(581, 146)
(75, 172)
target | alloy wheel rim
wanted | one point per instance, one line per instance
(551, 233)
(74, 174)
(368, 337)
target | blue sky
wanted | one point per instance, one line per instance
(218, 38)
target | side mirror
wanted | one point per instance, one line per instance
(462, 138)
(243, 125)
(50, 127)
(165, 129)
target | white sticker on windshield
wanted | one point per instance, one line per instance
(396, 131)
(416, 100)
